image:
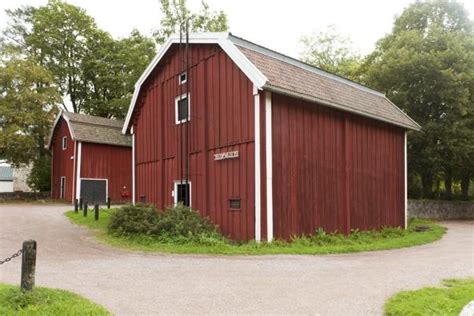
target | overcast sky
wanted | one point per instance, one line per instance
(275, 24)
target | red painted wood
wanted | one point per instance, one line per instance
(222, 108)
(333, 170)
(62, 162)
(114, 163)
(98, 161)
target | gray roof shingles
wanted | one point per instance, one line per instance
(287, 74)
(97, 130)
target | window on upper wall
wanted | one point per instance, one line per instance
(182, 78)
(64, 143)
(182, 109)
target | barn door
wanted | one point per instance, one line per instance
(94, 191)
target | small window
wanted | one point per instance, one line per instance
(64, 143)
(234, 204)
(182, 109)
(183, 77)
(183, 193)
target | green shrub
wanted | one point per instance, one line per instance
(132, 220)
(177, 224)
(181, 221)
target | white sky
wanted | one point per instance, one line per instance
(275, 24)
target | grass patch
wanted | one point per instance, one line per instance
(447, 300)
(45, 301)
(319, 243)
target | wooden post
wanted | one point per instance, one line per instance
(108, 202)
(96, 212)
(76, 205)
(85, 209)
(28, 265)
(81, 203)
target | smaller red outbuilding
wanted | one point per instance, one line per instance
(91, 159)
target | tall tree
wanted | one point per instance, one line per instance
(56, 35)
(28, 99)
(331, 51)
(111, 68)
(426, 66)
(95, 73)
(175, 13)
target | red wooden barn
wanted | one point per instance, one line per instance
(92, 159)
(265, 145)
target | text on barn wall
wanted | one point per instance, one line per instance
(227, 155)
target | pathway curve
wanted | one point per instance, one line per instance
(134, 283)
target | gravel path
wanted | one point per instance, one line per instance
(133, 283)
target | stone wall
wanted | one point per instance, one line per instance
(24, 196)
(436, 209)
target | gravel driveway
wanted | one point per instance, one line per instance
(134, 283)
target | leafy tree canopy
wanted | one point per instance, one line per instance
(175, 14)
(426, 66)
(28, 99)
(332, 52)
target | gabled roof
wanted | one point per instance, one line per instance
(270, 70)
(93, 129)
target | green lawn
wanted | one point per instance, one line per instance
(45, 301)
(447, 300)
(324, 244)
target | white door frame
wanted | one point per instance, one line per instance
(98, 179)
(62, 188)
(175, 191)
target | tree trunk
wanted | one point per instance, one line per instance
(427, 183)
(465, 181)
(448, 183)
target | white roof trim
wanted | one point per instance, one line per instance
(61, 113)
(222, 39)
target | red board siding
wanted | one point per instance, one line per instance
(63, 165)
(222, 111)
(108, 162)
(333, 170)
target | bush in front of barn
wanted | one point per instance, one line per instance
(132, 220)
(177, 224)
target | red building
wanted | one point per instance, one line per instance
(268, 146)
(92, 159)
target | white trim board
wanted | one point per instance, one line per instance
(258, 175)
(56, 121)
(406, 180)
(268, 163)
(73, 193)
(78, 171)
(133, 166)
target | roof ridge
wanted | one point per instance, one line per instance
(96, 124)
(75, 118)
(298, 63)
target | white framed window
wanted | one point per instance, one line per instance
(182, 108)
(182, 192)
(182, 78)
(64, 143)
(62, 188)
